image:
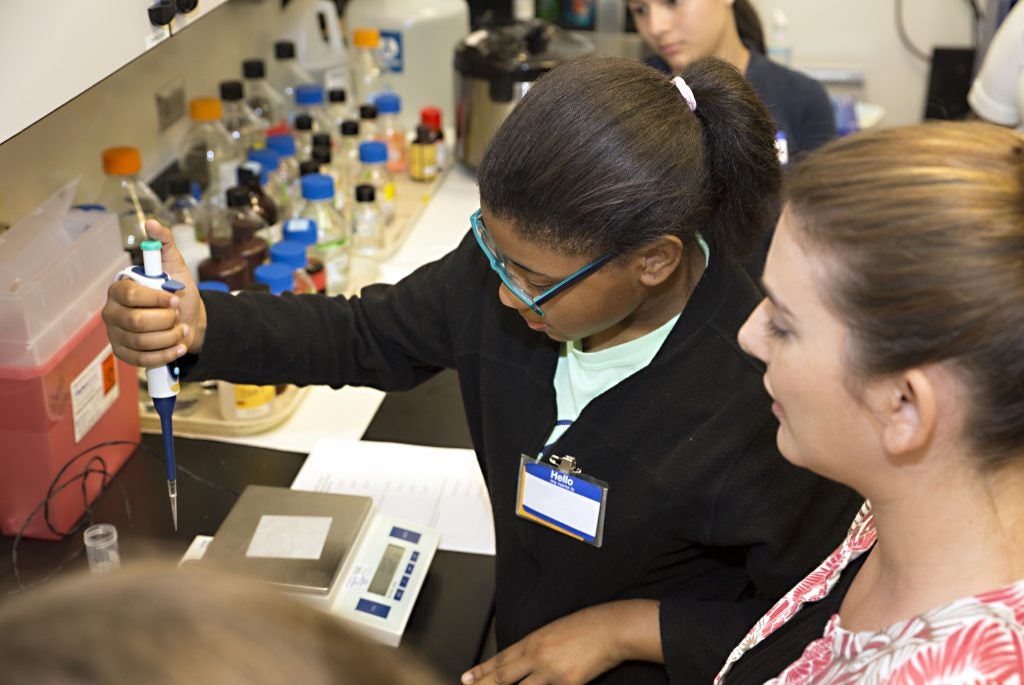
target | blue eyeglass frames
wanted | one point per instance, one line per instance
(499, 262)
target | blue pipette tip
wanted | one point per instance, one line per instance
(165, 409)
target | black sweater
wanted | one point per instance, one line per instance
(702, 512)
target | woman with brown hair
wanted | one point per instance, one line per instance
(893, 336)
(680, 31)
(158, 625)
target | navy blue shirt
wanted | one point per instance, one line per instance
(799, 104)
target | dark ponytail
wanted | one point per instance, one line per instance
(748, 25)
(603, 155)
(743, 174)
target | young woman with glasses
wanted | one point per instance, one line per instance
(644, 516)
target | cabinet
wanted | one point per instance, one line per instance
(53, 50)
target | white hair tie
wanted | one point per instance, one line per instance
(685, 91)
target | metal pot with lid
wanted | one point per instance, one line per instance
(495, 67)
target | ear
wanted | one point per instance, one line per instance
(659, 260)
(908, 412)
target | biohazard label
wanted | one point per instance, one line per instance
(94, 391)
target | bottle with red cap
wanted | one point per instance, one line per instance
(128, 196)
(431, 116)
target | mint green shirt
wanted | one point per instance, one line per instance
(581, 376)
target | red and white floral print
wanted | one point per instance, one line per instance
(977, 639)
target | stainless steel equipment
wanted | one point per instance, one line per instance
(495, 67)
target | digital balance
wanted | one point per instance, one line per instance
(333, 549)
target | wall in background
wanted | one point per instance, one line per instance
(121, 109)
(863, 34)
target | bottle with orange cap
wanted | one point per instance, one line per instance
(208, 154)
(128, 196)
(367, 73)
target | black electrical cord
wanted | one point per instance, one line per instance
(904, 38)
(96, 465)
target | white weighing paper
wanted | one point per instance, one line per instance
(289, 537)
(433, 486)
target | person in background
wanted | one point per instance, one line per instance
(997, 93)
(892, 339)
(680, 31)
(153, 623)
(590, 312)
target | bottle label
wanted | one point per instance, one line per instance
(254, 401)
(390, 52)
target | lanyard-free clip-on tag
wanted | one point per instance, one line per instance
(162, 381)
(559, 496)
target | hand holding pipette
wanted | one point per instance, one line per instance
(149, 327)
(162, 380)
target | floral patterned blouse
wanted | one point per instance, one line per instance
(977, 639)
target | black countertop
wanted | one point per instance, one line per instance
(449, 623)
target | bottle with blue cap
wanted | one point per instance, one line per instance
(290, 254)
(333, 240)
(373, 170)
(309, 99)
(303, 231)
(389, 106)
(284, 145)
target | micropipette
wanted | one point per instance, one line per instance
(162, 380)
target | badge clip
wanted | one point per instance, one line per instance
(565, 464)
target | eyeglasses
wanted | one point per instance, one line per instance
(514, 283)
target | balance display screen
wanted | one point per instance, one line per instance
(386, 570)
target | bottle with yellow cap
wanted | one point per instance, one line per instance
(367, 73)
(128, 196)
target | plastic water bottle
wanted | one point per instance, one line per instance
(208, 154)
(389, 106)
(265, 101)
(333, 240)
(373, 170)
(128, 196)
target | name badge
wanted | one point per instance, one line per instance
(562, 498)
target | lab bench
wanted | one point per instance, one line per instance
(449, 623)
